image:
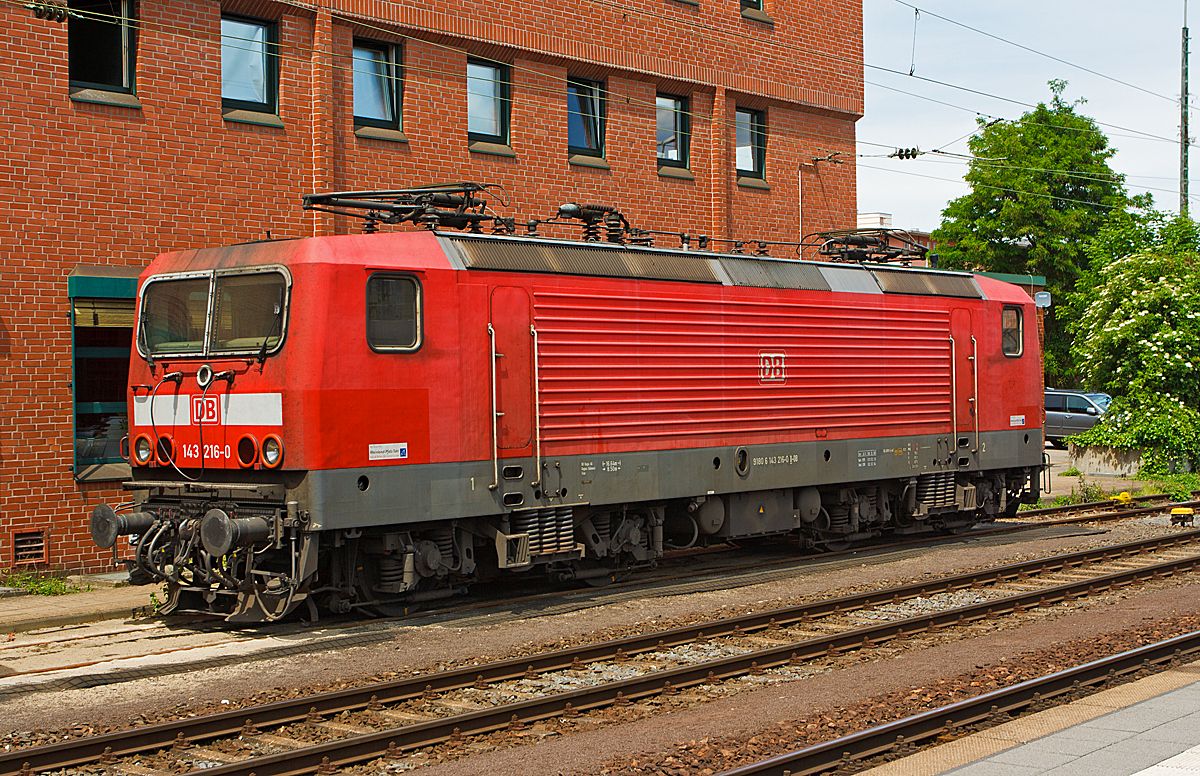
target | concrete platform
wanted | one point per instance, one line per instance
(19, 614)
(1150, 727)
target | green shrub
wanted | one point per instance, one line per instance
(1160, 425)
(38, 583)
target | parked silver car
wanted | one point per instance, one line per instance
(1072, 412)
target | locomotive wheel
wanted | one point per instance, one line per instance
(837, 546)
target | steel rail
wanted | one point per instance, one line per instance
(358, 749)
(1108, 504)
(895, 737)
(142, 739)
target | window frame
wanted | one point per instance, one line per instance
(753, 5)
(418, 303)
(107, 284)
(394, 80)
(119, 406)
(128, 55)
(207, 351)
(1020, 330)
(271, 61)
(600, 118)
(503, 99)
(1081, 402)
(758, 142)
(683, 132)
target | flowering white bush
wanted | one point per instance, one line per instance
(1137, 335)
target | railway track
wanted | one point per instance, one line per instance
(59, 662)
(392, 719)
(902, 737)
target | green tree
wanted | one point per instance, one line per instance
(1041, 188)
(1138, 333)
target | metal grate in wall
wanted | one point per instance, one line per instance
(29, 547)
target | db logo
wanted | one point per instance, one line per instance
(772, 366)
(206, 409)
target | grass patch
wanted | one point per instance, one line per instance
(1086, 493)
(1177, 486)
(39, 584)
(1072, 472)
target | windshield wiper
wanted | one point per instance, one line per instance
(262, 353)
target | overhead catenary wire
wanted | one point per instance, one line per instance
(603, 95)
(962, 182)
(992, 164)
(359, 22)
(987, 34)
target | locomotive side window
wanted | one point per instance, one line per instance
(1012, 337)
(173, 316)
(248, 309)
(393, 312)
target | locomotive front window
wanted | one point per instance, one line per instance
(247, 311)
(173, 316)
(221, 312)
(1011, 335)
(393, 312)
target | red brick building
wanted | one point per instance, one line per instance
(139, 126)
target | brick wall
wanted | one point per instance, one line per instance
(99, 184)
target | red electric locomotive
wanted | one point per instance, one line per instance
(369, 421)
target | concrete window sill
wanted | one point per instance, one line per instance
(583, 160)
(494, 149)
(253, 117)
(102, 472)
(753, 183)
(379, 133)
(102, 97)
(756, 15)
(676, 172)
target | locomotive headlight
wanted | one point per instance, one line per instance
(142, 449)
(272, 451)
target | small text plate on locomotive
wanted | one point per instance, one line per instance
(387, 452)
(1016, 420)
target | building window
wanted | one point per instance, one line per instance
(1011, 335)
(585, 118)
(249, 65)
(673, 130)
(752, 5)
(100, 44)
(751, 143)
(393, 312)
(487, 102)
(103, 338)
(376, 85)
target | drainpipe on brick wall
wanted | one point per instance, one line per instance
(322, 114)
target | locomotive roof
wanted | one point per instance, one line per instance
(456, 250)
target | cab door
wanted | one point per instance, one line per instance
(963, 357)
(510, 318)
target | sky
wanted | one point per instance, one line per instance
(1137, 43)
